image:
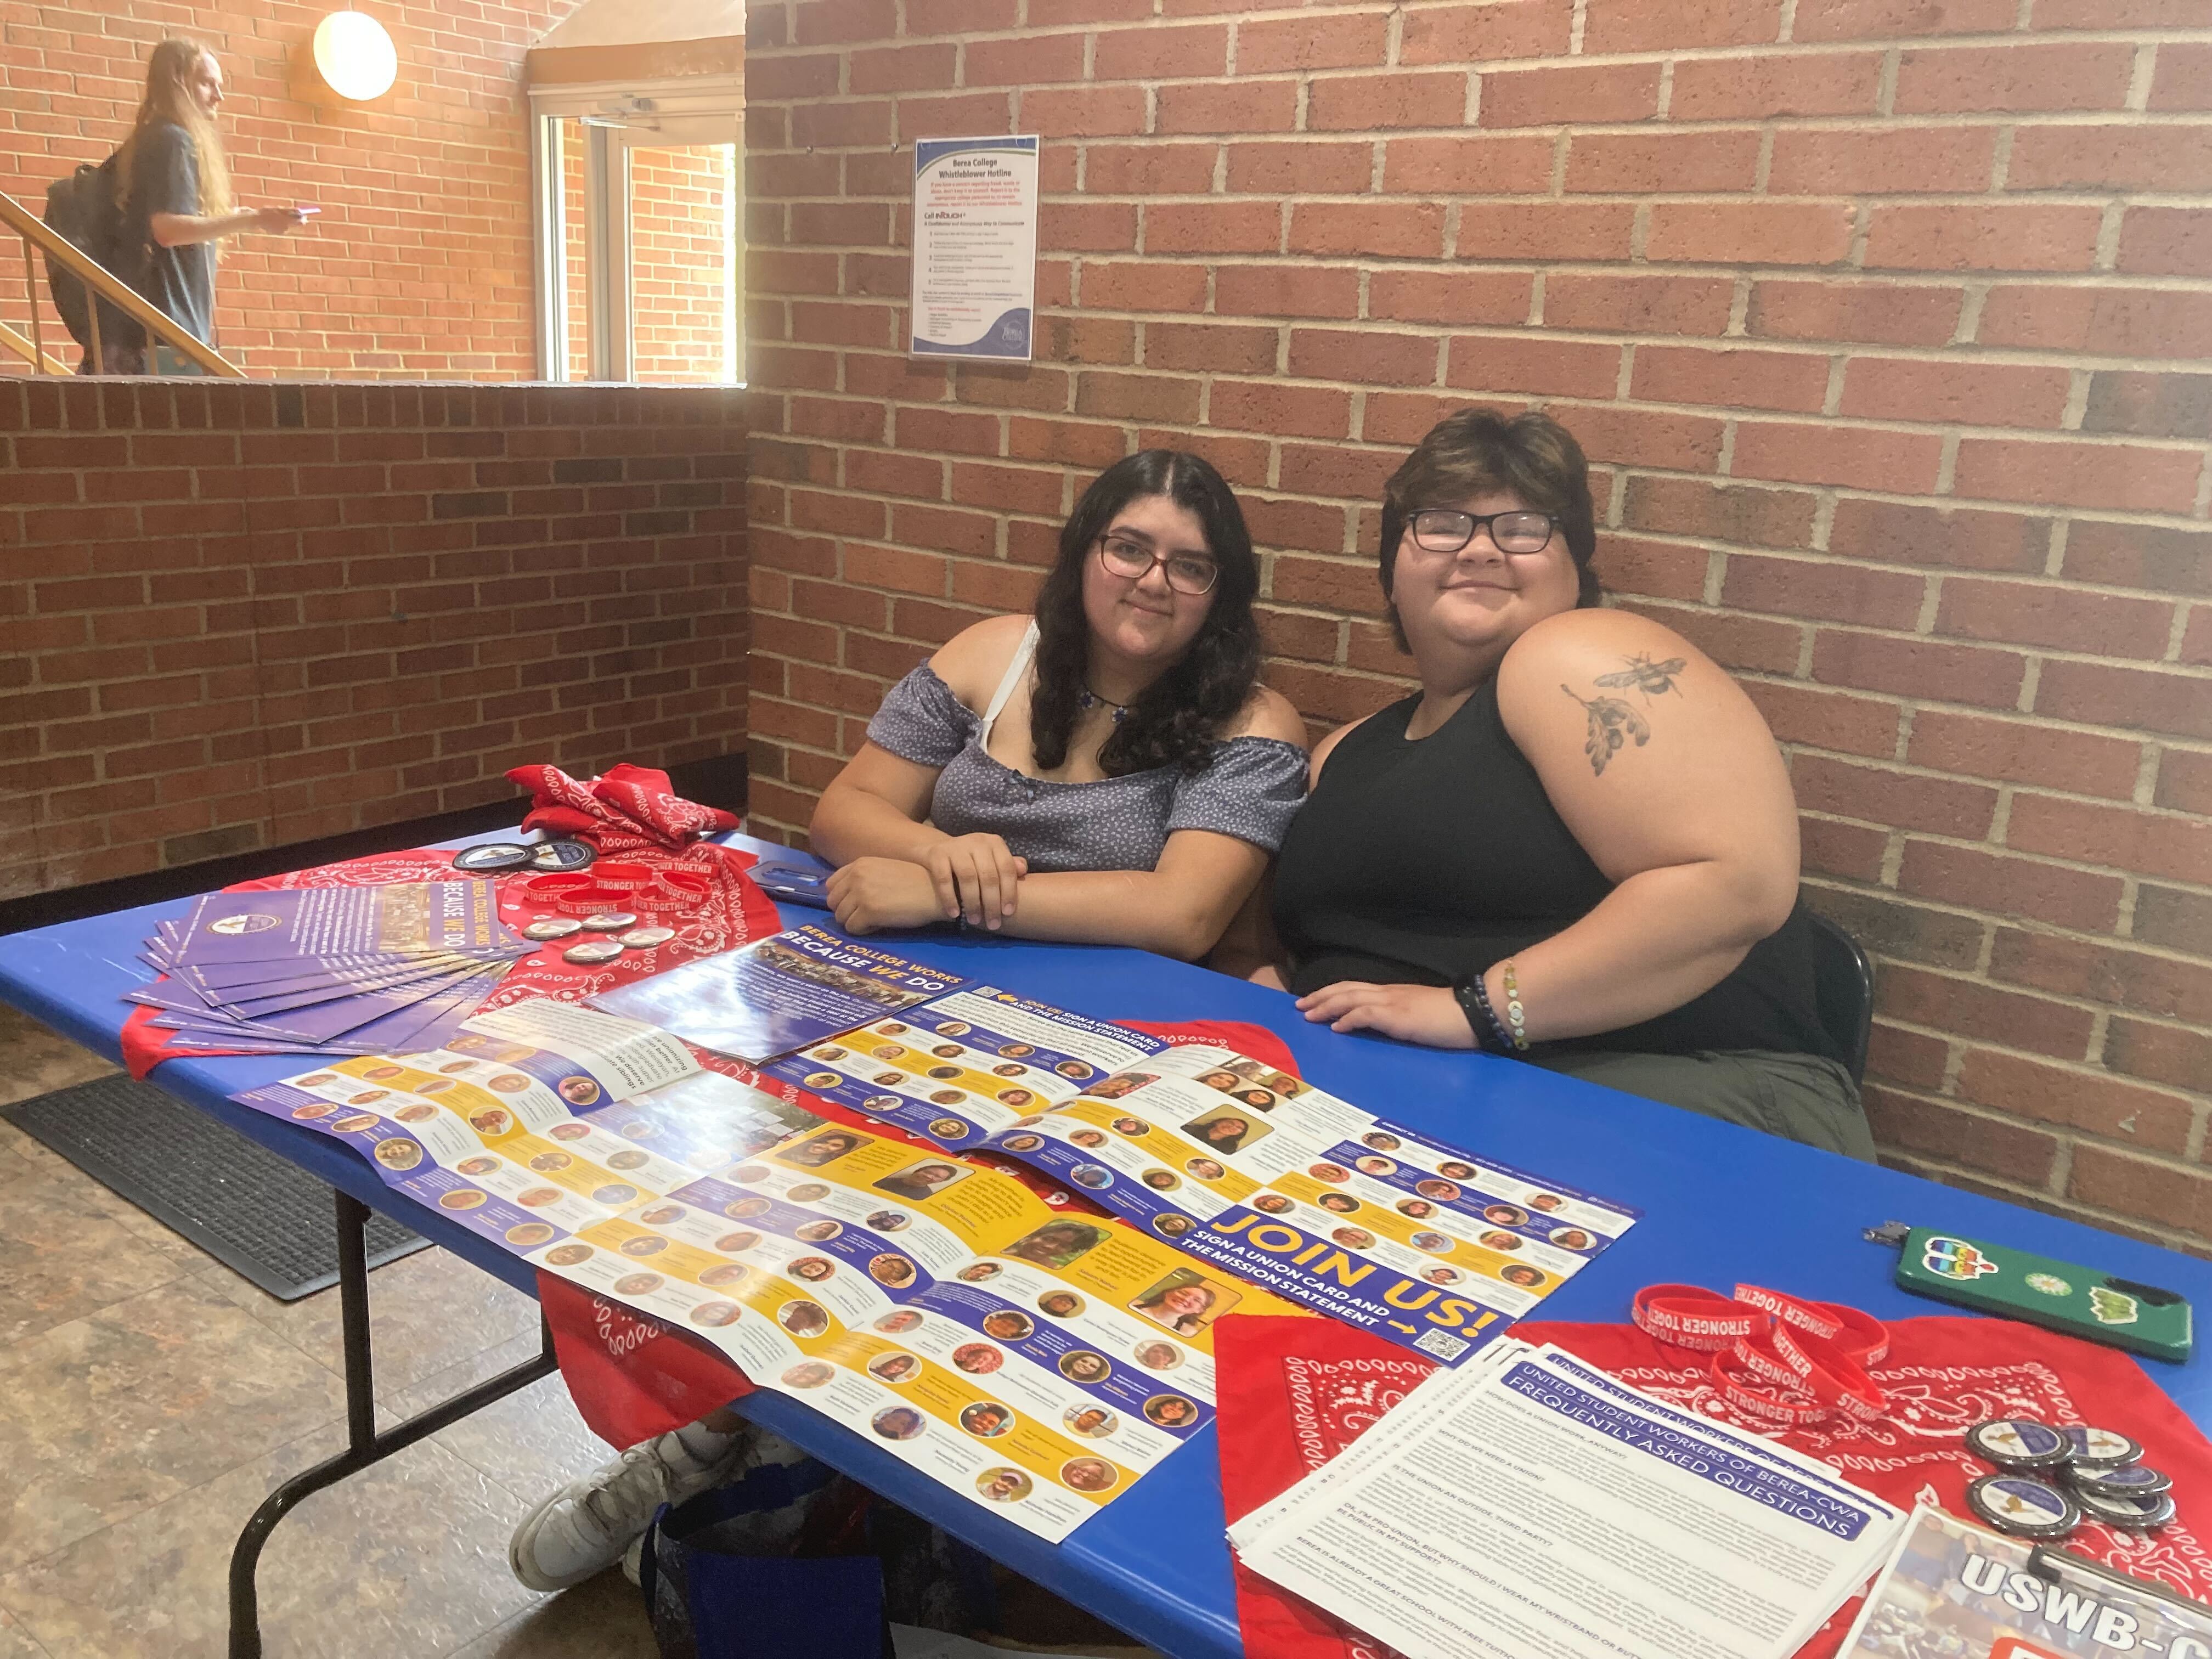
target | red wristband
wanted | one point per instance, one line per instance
(1690, 1316)
(591, 902)
(545, 889)
(1793, 1407)
(1829, 1374)
(678, 889)
(1776, 1356)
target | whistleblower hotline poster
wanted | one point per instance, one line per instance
(975, 247)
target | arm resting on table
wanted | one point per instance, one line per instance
(1178, 909)
(872, 814)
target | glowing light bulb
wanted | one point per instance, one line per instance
(355, 56)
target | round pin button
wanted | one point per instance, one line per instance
(2101, 1449)
(553, 927)
(2016, 1442)
(562, 856)
(644, 939)
(611, 921)
(2128, 1480)
(2025, 1508)
(592, 951)
(2134, 1512)
(492, 857)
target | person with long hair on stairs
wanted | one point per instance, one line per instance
(175, 180)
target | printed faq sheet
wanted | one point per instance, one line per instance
(1529, 1507)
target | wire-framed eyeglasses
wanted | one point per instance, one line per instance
(1446, 530)
(1186, 572)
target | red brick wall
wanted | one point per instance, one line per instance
(683, 234)
(237, 617)
(683, 237)
(575, 255)
(1886, 322)
(419, 267)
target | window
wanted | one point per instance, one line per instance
(640, 211)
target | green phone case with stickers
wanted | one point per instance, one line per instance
(2062, 1296)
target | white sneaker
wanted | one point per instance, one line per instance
(588, 1524)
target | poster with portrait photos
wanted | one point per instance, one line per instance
(1036, 1362)
(1288, 1187)
(970, 1064)
(1230, 1159)
(1326, 1204)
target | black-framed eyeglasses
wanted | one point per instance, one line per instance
(1446, 530)
(1186, 572)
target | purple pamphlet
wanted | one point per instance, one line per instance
(311, 924)
(345, 969)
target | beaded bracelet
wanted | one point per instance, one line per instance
(1482, 1018)
(1516, 1015)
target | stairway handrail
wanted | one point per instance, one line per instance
(104, 283)
(23, 346)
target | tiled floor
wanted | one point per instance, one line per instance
(149, 1397)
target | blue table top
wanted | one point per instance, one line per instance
(1721, 1204)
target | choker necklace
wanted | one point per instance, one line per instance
(1089, 700)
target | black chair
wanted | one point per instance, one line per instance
(1842, 991)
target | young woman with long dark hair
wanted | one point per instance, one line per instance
(1108, 769)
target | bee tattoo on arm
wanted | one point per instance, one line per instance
(1613, 722)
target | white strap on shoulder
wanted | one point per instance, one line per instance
(1023, 654)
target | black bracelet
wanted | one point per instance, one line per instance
(1505, 1044)
(1475, 1003)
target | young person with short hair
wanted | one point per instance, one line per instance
(1578, 835)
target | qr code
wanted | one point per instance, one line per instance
(1442, 1344)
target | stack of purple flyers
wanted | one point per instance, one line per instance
(367, 971)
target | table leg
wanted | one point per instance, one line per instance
(364, 1444)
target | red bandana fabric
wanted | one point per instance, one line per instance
(629, 809)
(732, 913)
(632, 1377)
(1294, 1392)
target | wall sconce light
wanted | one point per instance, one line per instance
(355, 56)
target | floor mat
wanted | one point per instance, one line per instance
(249, 1209)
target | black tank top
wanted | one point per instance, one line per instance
(1420, 862)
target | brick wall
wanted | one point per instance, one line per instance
(683, 237)
(684, 323)
(419, 267)
(575, 252)
(1885, 321)
(237, 617)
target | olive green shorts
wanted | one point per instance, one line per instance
(1797, 1096)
